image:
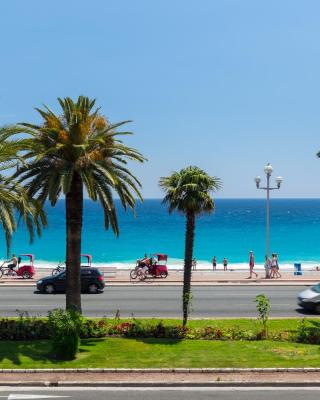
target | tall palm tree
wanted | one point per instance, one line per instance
(189, 192)
(67, 152)
(13, 198)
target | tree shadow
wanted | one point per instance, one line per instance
(91, 342)
(37, 351)
(14, 351)
(316, 324)
(152, 340)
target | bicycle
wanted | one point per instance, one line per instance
(6, 271)
(60, 268)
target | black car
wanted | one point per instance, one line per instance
(92, 281)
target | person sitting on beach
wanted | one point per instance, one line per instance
(214, 263)
(225, 264)
(251, 265)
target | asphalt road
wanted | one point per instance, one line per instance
(152, 301)
(266, 393)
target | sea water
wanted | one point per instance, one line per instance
(236, 227)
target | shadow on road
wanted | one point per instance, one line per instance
(303, 311)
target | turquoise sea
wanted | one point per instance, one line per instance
(237, 226)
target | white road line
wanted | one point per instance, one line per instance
(147, 389)
(32, 396)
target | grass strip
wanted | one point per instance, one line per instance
(162, 353)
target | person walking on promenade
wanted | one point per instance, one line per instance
(214, 263)
(251, 265)
(274, 263)
(225, 264)
(277, 272)
(194, 264)
(267, 266)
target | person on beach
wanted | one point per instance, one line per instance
(194, 264)
(267, 266)
(225, 264)
(214, 263)
(251, 265)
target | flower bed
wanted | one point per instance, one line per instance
(302, 331)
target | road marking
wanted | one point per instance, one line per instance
(150, 389)
(31, 396)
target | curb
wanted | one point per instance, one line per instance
(157, 384)
(195, 283)
(158, 370)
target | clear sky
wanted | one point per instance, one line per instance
(226, 85)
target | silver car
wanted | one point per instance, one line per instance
(310, 298)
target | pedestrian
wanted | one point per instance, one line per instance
(273, 266)
(225, 264)
(278, 275)
(214, 263)
(267, 266)
(251, 265)
(194, 264)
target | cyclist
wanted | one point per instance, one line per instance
(14, 262)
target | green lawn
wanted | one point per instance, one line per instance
(147, 353)
(115, 352)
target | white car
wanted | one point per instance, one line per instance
(310, 298)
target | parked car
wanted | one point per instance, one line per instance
(92, 281)
(310, 298)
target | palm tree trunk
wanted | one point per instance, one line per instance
(190, 228)
(74, 211)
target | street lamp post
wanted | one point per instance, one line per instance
(268, 171)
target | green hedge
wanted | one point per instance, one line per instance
(301, 331)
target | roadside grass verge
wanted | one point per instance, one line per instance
(162, 353)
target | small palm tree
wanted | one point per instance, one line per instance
(68, 152)
(13, 198)
(189, 192)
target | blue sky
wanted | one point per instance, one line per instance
(226, 85)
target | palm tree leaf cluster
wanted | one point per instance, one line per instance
(188, 190)
(81, 141)
(13, 197)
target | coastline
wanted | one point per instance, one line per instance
(177, 264)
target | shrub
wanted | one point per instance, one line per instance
(307, 333)
(65, 328)
(23, 329)
(94, 329)
(263, 308)
(60, 326)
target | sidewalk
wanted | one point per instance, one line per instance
(175, 278)
(158, 378)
